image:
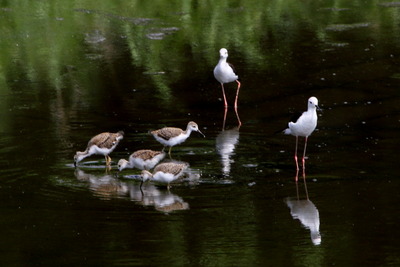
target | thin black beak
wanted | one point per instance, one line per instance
(201, 133)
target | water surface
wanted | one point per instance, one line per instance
(71, 70)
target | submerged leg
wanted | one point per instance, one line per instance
(169, 151)
(237, 93)
(223, 123)
(305, 183)
(223, 93)
(295, 155)
(297, 186)
(304, 154)
(237, 116)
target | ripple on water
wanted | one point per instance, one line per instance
(161, 33)
(346, 27)
(334, 9)
(389, 4)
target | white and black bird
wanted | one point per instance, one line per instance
(101, 144)
(303, 124)
(224, 72)
(144, 159)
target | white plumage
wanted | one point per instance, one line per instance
(225, 73)
(303, 125)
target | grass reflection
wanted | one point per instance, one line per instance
(43, 41)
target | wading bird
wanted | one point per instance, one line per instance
(224, 72)
(171, 136)
(165, 173)
(144, 159)
(101, 144)
(303, 124)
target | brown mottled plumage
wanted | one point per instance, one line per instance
(170, 167)
(146, 154)
(167, 132)
(104, 140)
(101, 144)
(142, 159)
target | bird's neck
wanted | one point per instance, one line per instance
(82, 155)
(187, 132)
(312, 110)
(130, 163)
(146, 175)
(222, 60)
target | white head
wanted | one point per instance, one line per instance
(122, 164)
(79, 156)
(146, 175)
(192, 126)
(223, 53)
(316, 238)
(313, 102)
(120, 135)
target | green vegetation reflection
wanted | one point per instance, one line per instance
(44, 40)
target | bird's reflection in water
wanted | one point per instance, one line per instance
(226, 142)
(306, 212)
(107, 187)
(162, 200)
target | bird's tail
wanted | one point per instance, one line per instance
(287, 131)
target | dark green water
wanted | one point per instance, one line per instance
(70, 70)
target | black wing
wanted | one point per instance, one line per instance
(295, 117)
(233, 68)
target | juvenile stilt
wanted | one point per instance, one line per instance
(165, 173)
(171, 136)
(101, 144)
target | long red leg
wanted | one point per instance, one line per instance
(304, 154)
(223, 93)
(237, 93)
(295, 154)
